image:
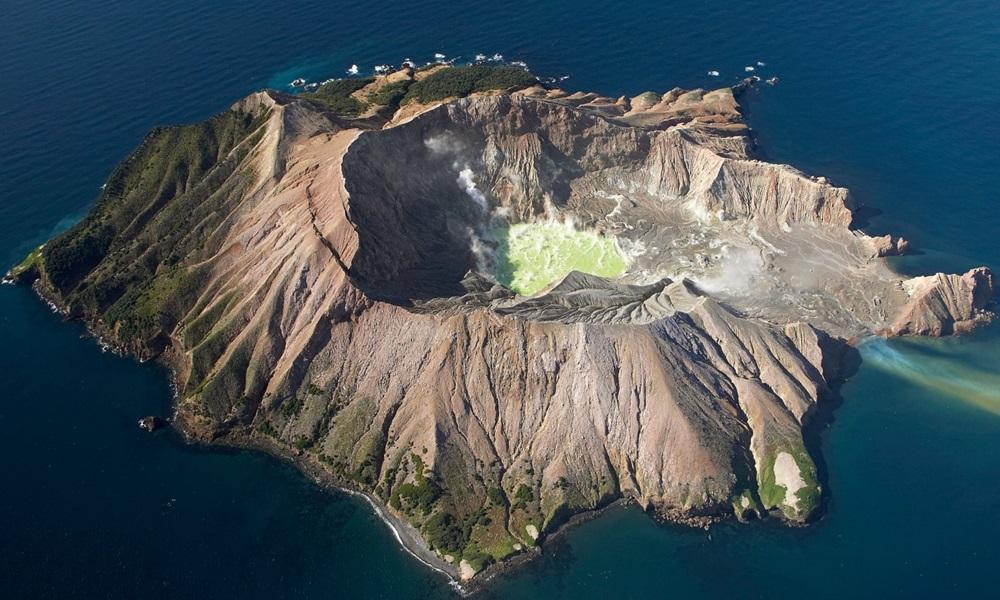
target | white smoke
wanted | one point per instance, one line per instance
(468, 184)
(443, 143)
(482, 252)
(739, 271)
(446, 145)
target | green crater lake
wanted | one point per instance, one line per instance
(533, 256)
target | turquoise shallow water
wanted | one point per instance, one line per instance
(897, 101)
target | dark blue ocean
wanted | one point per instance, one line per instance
(898, 100)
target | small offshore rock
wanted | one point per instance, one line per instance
(152, 423)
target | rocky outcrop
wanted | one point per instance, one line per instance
(944, 304)
(887, 245)
(325, 287)
(152, 423)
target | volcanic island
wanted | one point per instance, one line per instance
(491, 305)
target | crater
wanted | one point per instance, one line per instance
(524, 192)
(530, 257)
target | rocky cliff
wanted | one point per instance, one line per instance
(323, 281)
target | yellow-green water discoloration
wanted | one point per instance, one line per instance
(938, 365)
(532, 256)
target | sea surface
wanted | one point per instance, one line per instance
(897, 100)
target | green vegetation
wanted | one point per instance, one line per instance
(457, 82)
(196, 330)
(367, 457)
(524, 493)
(153, 213)
(30, 267)
(532, 256)
(496, 496)
(208, 351)
(488, 534)
(522, 496)
(336, 96)
(71, 257)
(478, 560)
(130, 265)
(443, 533)
(267, 429)
(391, 94)
(450, 82)
(292, 406)
(419, 496)
(142, 311)
(348, 427)
(773, 494)
(478, 536)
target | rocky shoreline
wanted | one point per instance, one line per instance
(405, 534)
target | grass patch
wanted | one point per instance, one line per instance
(417, 496)
(336, 96)
(457, 82)
(267, 429)
(773, 495)
(391, 94)
(142, 311)
(30, 267)
(152, 214)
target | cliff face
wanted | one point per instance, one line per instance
(323, 285)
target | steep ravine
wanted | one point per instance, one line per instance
(323, 285)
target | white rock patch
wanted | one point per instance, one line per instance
(532, 531)
(918, 285)
(465, 570)
(786, 474)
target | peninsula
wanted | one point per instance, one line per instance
(489, 304)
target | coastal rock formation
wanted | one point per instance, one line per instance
(321, 273)
(887, 245)
(944, 304)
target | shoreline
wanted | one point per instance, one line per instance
(406, 535)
